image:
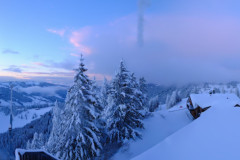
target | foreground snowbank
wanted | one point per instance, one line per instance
(215, 135)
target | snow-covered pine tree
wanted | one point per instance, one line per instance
(124, 117)
(106, 98)
(56, 129)
(167, 99)
(237, 91)
(28, 145)
(34, 144)
(194, 90)
(104, 93)
(143, 89)
(174, 99)
(223, 90)
(137, 96)
(41, 141)
(96, 94)
(78, 139)
(153, 103)
(100, 120)
(37, 142)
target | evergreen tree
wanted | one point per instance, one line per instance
(96, 94)
(78, 139)
(124, 117)
(34, 144)
(223, 90)
(138, 96)
(106, 98)
(174, 99)
(167, 99)
(28, 146)
(143, 90)
(56, 129)
(153, 103)
(104, 93)
(37, 142)
(237, 92)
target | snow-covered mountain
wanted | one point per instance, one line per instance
(31, 94)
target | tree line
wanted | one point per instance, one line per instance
(95, 120)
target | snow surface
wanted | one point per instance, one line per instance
(205, 100)
(21, 119)
(162, 124)
(214, 135)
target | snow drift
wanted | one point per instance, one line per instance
(214, 135)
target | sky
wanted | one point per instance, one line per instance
(174, 41)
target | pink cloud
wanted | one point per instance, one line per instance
(30, 75)
(78, 39)
(59, 32)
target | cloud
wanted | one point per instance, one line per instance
(9, 51)
(177, 48)
(40, 64)
(66, 64)
(53, 77)
(59, 32)
(75, 55)
(50, 90)
(78, 39)
(13, 68)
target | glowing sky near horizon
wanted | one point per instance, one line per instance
(183, 40)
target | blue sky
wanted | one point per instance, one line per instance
(183, 40)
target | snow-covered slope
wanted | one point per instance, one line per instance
(214, 135)
(162, 124)
(21, 119)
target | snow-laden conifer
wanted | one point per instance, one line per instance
(153, 103)
(143, 95)
(124, 117)
(174, 99)
(78, 139)
(37, 142)
(56, 129)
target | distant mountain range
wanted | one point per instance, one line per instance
(184, 90)
(31, 94)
